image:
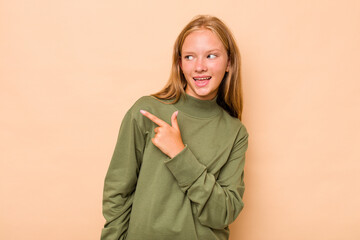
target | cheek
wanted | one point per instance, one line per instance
(186, 68)
(219, 68)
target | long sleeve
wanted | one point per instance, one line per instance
(121, 179)
(216, 201)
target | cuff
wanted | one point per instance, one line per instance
(185, 167)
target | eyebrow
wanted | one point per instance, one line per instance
(212, 50)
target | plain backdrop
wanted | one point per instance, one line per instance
(69, 71)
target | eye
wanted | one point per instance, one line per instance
(211, 56)
(189, 57)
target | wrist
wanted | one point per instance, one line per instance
(178, 150)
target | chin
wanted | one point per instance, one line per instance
(201, 93)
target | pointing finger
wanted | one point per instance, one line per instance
(153, 118)
(174, 122)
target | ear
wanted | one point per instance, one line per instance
(228, 66)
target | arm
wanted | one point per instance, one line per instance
(217, 202)
(121, 179)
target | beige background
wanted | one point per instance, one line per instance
(69, 70)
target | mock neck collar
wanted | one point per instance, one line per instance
(196, 107)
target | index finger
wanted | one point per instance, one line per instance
(153, 118)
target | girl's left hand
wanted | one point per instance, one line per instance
(167, 138)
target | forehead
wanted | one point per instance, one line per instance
(202, 39)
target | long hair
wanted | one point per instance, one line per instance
(230, 91)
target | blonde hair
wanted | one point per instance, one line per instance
(230, 91)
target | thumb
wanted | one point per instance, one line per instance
(174, 122)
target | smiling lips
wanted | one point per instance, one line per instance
(202, 81)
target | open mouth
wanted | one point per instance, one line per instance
(201, 78)
(202, 81)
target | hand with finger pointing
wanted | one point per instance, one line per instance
(167, 138)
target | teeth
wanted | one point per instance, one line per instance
(205, 78)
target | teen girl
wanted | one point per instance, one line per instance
(178, 166)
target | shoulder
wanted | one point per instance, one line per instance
(146, 102)
(242, 137)
(239, 130)
(233, 122)
(155, 106)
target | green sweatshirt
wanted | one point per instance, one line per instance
(193, 196)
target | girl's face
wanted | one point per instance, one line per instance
(204, 62)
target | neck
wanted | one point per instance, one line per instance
(198, 108)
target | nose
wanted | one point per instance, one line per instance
(200, 65)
